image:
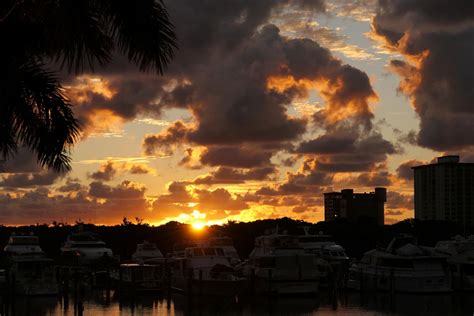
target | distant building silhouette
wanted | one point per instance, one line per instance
(445, 191)
(355, 206)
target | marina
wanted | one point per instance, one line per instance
(28, 270)
(283, 274)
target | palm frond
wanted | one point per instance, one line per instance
(33, 110)
(43, 119)
(76, 35)
(142, 30)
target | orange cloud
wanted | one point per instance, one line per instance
(103, 122)
(283, 83)
(84, 88)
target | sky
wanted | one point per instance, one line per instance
(267, 105)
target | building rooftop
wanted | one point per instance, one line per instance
(451, 159)
(356, 194)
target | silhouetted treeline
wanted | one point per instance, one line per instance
(356, 238)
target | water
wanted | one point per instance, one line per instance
(99, 303)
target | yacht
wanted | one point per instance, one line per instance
(402, 267)
(205, 271)
(278, 265)
(86, 247)
(323, 246)
(30, 272)
(227, 245)
(147, 252)
(179, 249)
(459, 254)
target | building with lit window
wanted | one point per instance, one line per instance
(445, 191)
(355, 206)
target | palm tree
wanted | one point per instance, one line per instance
(74, 34)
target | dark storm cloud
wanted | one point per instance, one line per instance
(29, 180)
(317, 5)
(174, 202)
(205, 30)
(238, 157)
(404, 170)
(231, 175)
(374, 179)
(328, 144)
(437, 37)
(219, 200)
(397, 200)
(106, 172)
(22, 161)
(286, 188)
(227, 56)
(309, 180)
(71, 185)
(125, 190)
(23, 171)
(341, 151)
(139, 169)
(164, 142)
(125, 96)
(109, 170)
(237, 78)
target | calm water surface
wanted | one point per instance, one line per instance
(99, 303)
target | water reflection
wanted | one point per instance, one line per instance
(107, 304)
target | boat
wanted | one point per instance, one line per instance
(85, 248)
(30, 271)
(227, 245)
(279, 265)
(402, 267)
(147, 252)
(205, 271)
(179, 249)
(459, 253)
(323, 246)
(138, 277)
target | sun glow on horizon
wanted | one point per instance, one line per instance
(198, 226)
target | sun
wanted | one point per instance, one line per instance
(198, 225)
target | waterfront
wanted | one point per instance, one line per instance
(101, 303)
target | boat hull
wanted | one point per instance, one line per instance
(399, 281)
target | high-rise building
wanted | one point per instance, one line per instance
(445, 191)
(355, 206)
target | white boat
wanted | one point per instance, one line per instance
(279, 265)
(459, 254)
(205, 271)
(86, 247)
(323, 246)
(227, 245)
(147, 252)
(401, 267)
(30, 272)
